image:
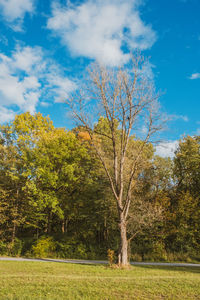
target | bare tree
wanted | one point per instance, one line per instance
(125, 97)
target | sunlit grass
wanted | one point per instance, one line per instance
(42, 280)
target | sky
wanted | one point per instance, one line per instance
(46, 46)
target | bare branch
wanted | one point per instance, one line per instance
(125, 99)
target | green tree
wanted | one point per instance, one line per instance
(60, 166)
(187, 199)
(187, 165)
(13, 178)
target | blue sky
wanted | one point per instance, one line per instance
(46, 45)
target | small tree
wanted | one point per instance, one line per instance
(126, 99)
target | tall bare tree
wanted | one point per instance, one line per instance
(127, 100)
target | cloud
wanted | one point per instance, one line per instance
(166, 149)
(147, 70)
(3, 40)
(99, 29)
(144, 129)
(13, 11)
(60, 86)
(179, 117)
(28, 59)
(198, 131)
(6, 115)
(28, 76)
(195, 76)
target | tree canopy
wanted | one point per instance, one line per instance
(56, 199)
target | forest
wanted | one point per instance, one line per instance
(56, 200)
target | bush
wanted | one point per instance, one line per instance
(179, 256)
(81, 251)
(27, 245)
(158, 253)
(136, 257)
(64, 250)
(111, 256)
(71, 249)
(3, 248)
(44, 247)
(15, 248)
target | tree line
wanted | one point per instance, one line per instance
(56, 199)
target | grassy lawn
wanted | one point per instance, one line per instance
(42, 280)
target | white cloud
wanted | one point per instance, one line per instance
(166, 149)
(179, 117)
(26, 77)
(198, 131)
(61, 86)
(144, 129)
(6, 115)
(195, 76)
(14, 11)
(3, 40)
(18, 84)
(99, 29)
(147, 70)
(184, 118)
(28, 59)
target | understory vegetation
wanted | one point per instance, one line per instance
(55, 200)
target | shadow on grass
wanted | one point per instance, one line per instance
(165, 267)
(70, 261)
(170, 268)
(193, 268)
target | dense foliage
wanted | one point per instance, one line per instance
(55, 199)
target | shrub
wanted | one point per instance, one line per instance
(28, 242)
(179, 256)
(111, 255)
(44, 247)
(65, 249)
(3, 248)
(136, 257)
(71, 249)
(81, 251)
(15, 248)
(158, 253)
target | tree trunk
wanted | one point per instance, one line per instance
(13, 232)
(49, 222)
(15, 218)
(123, 250)
(64, 225)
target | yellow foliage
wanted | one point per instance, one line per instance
(84, 135)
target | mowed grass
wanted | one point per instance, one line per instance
(49, 280)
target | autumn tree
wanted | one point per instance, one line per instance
(61, 168)
(187, 165)
(18, 140)
(187, 199)
(11, 185)
(127, 100)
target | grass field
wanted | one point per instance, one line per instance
(43, 280)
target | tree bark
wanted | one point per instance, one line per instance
(13, 232)
(123, 250)
(63, 226)
(15, 218)
(49, 222)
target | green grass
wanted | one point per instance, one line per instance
(44, 280)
